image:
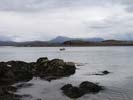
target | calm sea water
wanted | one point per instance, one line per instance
(118, 60)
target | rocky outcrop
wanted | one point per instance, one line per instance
(14, 71)
(19, 71)
(84, 88)
(53, 69)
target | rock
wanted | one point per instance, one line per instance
(71, 91)
(1, 91)
(101, 73)
(54, 69)
(105, 72)
(57, 62)
(21, 70)
(84, 88)
(66, 87)
(49, 78)
(69, 68)
(7, 93)
(74, 92)
(89, 87)
(10, 96)
(6, 75)
(42, 60)
(24, 85)
(11, 88)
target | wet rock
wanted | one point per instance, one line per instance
(56, 62)
(11, 88)
(72, 91)
(21, 70)
(89, 87)
(6, 75)
(105, 72)
(55, 69)
(84, 88)
(42, 60)
(9, 96)
(7, 93)
(24, 85)
(66, 87)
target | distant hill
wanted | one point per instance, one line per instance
(102, 43)
(7, 43)
(61, 39)
(66, 41)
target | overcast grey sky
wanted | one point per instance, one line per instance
(23, 20)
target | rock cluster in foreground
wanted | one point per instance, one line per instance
(84, 88)
(53, 69)
(18, 71)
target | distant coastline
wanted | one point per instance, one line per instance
(68, 42)
(72, 43)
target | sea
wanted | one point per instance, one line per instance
(89, 60)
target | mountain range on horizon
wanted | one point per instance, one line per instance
(63, 40)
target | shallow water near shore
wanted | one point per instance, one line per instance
(118, 60)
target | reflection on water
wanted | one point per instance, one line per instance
(118, 60)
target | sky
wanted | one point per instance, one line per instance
(29, 20)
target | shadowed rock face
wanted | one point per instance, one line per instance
(84, 88)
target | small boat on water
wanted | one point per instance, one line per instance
(62, 49)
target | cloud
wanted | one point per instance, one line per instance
(44, 19)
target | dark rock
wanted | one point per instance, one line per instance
(9, 96)
(42, 60)
(66, 87)
(57, 62)
(84, 87)
(49, 78)
(6, 75)
(72, 92)
(105, 72)
(89, 87)
(102, 73)
(11, 88)
(54, 69)
(24, 85)
(21, 70)
(6, 93)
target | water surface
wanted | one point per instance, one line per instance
(118, 60)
